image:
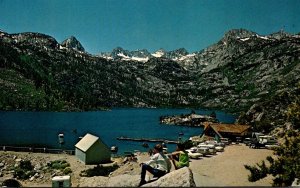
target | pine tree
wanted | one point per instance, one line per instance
(285, 167)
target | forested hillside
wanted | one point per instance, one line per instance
(244, 72)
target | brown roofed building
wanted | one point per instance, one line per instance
(231, 131)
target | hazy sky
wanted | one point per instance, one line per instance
(101, 25)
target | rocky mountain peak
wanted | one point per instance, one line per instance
(32, 38)
(119, 51)
(118, 48)
(159, 53)
(161, 50)
(140, 53)
(73, 43)
(181, 51)
(176, 54)
(280, 34)
(237, 34)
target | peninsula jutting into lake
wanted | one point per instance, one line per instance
(192, 119)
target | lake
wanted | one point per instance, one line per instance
(42, 128)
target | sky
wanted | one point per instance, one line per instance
(102, 25)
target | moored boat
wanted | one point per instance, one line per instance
(61, 139)
(114, 149)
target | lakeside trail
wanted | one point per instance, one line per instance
(224, 169)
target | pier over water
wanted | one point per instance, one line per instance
(148, 140)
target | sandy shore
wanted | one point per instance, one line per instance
(227, 168)
(224, 169)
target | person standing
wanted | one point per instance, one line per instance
(157, 165)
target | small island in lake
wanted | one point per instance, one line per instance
(191, 119)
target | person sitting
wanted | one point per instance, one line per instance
(157, 165)
(180, 157)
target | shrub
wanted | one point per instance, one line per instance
(293, 113)
(285, 167)
(67, 171)
(58, 164)
(24, 170)
(20, 173)
(26, 165)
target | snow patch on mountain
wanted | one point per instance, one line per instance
(158, 53)
(187, 56)
(123, 56)
(140, 59)
(263, 37)
(245, 39)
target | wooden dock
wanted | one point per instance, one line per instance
(147, 140)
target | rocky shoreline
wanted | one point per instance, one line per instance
(192, 119)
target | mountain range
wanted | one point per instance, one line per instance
(244, 72)
(144, 55)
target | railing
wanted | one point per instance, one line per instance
(36, 150)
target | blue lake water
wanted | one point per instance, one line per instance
(42, 128)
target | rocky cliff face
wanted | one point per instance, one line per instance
(72, 43)
(242, 69)
(273, 112)
(249, 67)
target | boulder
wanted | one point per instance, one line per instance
(124, 180)
(96, 181)
(296, 183)
(38, 167)
(178, 178)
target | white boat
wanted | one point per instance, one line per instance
(114, 149)
(61, 139)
